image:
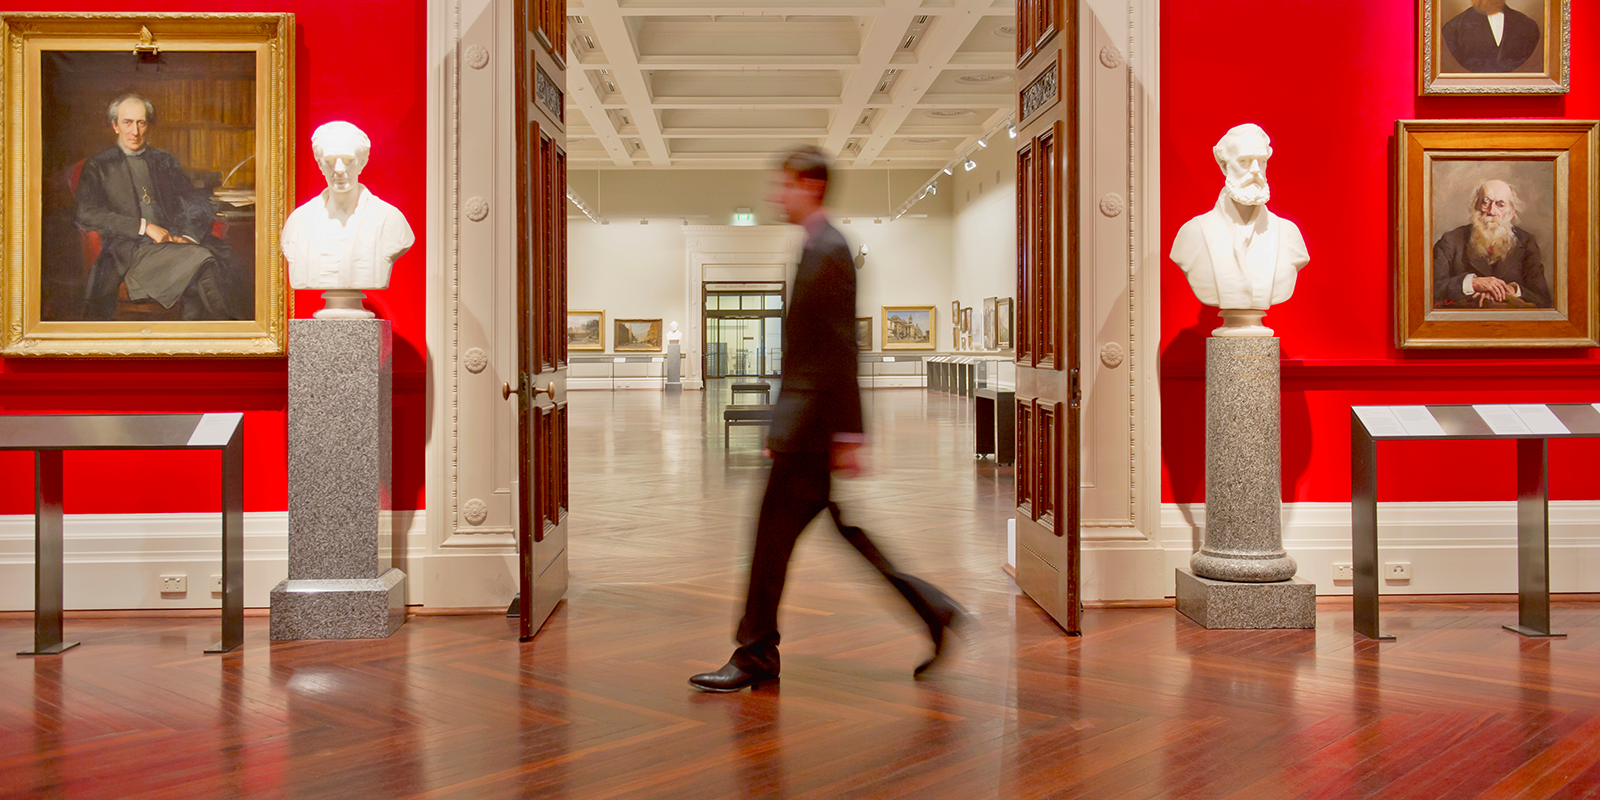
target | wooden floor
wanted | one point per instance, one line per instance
(1145, 705)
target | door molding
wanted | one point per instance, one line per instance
(745, 254)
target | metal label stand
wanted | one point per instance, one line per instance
(1532, 425)
(50, 435)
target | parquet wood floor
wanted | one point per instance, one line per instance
(1145, 705)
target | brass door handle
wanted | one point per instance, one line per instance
(506, 391)
(549, 390)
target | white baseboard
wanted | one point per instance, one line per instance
(892, 381)
(1466, 548)
(115, 561)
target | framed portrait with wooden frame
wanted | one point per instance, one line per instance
(1496, 242)
(1494, 46)
(586, 330)
(908, 327)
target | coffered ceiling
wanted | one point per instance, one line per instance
(717, 84)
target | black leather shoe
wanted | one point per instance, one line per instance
(728, 679)
(951, 618)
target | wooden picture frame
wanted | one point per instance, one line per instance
(908, 327)
(636, 335)
(78, 277)
(864, 334)
(1004, 322)
(1457, 181)
(586, 330)
(1459, 52)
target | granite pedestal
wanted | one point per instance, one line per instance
(674, 381)
(1242, 573)
(342, 583)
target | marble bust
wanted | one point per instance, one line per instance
(673, 334)
(344, 239)
(1239, 256)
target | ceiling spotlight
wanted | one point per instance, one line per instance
(970, 165)
(933, 188)
(982, 143)
(1012, 131)
(947, 170)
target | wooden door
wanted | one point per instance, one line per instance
(1046, 328)
(541, 312)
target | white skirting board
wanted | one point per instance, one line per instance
(115, 561)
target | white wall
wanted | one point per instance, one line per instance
(984, 232)
(627, 270)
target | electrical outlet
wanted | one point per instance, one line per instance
(174, 584)
(1397, 571)
(1344, 572)
(216, 584)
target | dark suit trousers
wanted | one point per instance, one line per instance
(797, 490)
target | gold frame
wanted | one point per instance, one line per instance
(586, 347)
(933, 333)
(617, 348)
(868, 340)
(271, 38)
(1573, 147)
(1555, 79)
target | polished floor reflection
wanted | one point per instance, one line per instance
(1145, 705)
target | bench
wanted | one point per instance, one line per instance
(744, 415)
(763, 389)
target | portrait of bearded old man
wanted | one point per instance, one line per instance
(1490, 262)
(1491, 36)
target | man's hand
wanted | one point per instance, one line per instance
(1490, 288)
(182, 240)
(157, 234)
(846, 459)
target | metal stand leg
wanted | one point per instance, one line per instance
(1364, 529)
(232, 546)
(49, 551)
(1533, 539)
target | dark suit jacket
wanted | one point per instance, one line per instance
(1471, 40)
(1453, 259)
(106, 203)
(820, 396)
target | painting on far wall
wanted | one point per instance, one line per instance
(636, 334)
(1498, 231)
(991, 333)
(1003, 323)
(864, 334)
(1494, 46)
(158, 155)
(586, 330)
(908, 327)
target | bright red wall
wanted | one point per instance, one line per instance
(1327, 81)
(363, 61)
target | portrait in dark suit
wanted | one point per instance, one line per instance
(1494, 235)
(1491, 36)
(149, 207)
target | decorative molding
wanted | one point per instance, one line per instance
(1111, 57)
(1042, 93)
(475, 512)
(1111, 355)
(477, 56)
(549, 95)
(1112, 205)
(475, 360)
(477, 209)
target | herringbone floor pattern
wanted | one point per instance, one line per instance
(1146, 705)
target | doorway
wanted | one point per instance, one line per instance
(743, 330)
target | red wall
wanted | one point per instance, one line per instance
(1327, 81)
(363, 61)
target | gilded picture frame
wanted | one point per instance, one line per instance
(637, 335)
(586, 330)
(908, 327)
(1528, 50)
(1497, 237)
(864, 334)
(1004, 321)
(207, 102)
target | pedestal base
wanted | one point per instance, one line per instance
(1223, 604)
(359, 608)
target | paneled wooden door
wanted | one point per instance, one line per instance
(541, 298)
(1047, 348)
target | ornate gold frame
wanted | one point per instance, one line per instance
(271, 38)
(590, 347)
(1556, 46)
(1573, 147)
(933, 321)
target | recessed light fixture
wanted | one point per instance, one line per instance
(948, 113)
(925, 140)
(983, 77)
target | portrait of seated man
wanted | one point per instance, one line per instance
(155, 227)
(1491, 37)
(1490, 262)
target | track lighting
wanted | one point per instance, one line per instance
(982, 143)
(1012, 131)
(970, 165)
(947, 170)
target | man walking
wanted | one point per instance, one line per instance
(816, 430)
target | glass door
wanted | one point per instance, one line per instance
(744, 332)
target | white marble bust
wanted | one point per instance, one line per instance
(673, 334)
(1239, 256)
(344, 238)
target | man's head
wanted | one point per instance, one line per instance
(800, 184)
(131, 117)
(341, 151)
(1242, 154)
(1495, 207)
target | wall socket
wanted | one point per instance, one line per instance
(1397, 571)
(1344, 572)
(174, 584)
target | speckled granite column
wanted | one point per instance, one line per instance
(1242, 577)
(342, 584)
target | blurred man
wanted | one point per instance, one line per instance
(154, 225)
(1490, 261)
(816, 430)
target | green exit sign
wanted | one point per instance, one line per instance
(744, 218)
